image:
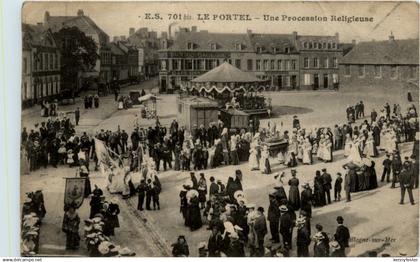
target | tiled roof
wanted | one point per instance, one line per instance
(35, 35)
(84, 23)
(384, 52)
(115, 50)
(270, 41)
(202, 41)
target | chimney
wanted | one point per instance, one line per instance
(116, 38)
(249, 31)
(39, 24)
(123, 38)
(131, 31)
(294, 35)
(336, 36)
(194, 28)
(391, 37)
(80, 12)
(353, 42)
(46, 17)
(164, 35)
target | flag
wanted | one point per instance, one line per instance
(74, 191)
(103, 154)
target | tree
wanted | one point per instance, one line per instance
(78, 54)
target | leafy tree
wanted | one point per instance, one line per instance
(78, 54)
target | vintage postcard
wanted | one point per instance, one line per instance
(220, 129)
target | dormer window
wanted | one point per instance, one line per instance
(305, 45)
(238, 46)
(329, 45)
(259, 49)
(275, 50)
(190, 46)
(310, 45)
(334, 45)
(324, 45)
(287, 49)
(213, 46)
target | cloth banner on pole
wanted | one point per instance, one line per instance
(74, 191)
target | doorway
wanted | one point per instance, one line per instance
(325, 80)
(280, 82)
(316, 81)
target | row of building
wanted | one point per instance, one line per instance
(282, 61)
(289, 61)
(122, 60)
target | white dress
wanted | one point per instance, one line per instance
(307, 153)
(369, 149)
(321, 148)
(347, 147)
(355, 154)
(253, 159)
(300, 151)
(327, 151)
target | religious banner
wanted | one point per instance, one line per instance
(74, 191)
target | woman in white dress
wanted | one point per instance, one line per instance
(321, 148)
(211, 154)
(300, 141)
(392, 141)
(327, 155)
(355, 156)
(253, 157)
(307, 152)
(347, 146)
(265, 154)
(370, 148)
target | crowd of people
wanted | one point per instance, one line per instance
(238, 227)
(91, 101)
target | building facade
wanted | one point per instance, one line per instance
(379, 64)
(124, 61)
(119, 63)
(149, 44)
(102, 69)
(40, 65)
(318, 58)
(279, 59)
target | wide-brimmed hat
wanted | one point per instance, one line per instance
(202, 245)
(234, 235)
(334, 245)
(126, 252)
(300, 220)
(251, 205)
(319, 236)
(283, 208)
(238, 194)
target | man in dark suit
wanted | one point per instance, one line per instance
(296, 122)
(342, 236)
(406, 183)
(326, 182)
(303, 238)
(286, 226)
(274, 218)
(77, 116)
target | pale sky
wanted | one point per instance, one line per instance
(115, 18)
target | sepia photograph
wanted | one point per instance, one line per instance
(219, 129)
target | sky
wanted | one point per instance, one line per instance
(115, 18)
